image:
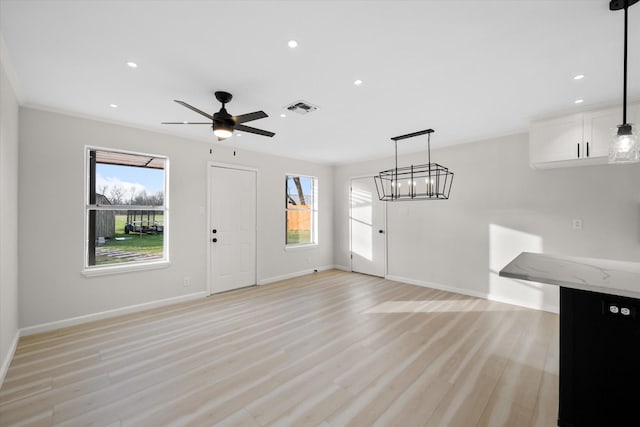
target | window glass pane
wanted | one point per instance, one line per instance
(133, 231)
(129, 185)
(300, 210)
(127, 236)
(299, 191)
(299, 226)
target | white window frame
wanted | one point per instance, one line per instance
(99, 270)
(314, 213)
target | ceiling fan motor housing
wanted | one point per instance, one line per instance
(223, 123)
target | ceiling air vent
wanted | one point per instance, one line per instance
(302, 107)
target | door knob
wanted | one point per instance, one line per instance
(380, 231)
(214, 240)
(214, 231)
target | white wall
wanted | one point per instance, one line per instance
(52, 287)
(8, 220)
(498, 208)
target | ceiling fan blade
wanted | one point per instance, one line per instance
(186, 123)
(242, 118)
(249, 129)
(184, 104)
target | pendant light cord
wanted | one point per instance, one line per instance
(624, 92)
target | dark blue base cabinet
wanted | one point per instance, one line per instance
(599, 360)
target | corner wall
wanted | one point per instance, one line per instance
(52, 288)
(8, 221)
(500, 207)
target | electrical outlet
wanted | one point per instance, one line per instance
(577, 224)
(186, 282)
(628, 311)
(619, 309)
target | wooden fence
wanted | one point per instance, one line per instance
(298, 217)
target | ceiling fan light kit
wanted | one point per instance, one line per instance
(430, 181)
(624, 147)
(223, 123)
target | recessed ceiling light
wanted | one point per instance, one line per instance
(293, 44)
(579, 77)
(132, 64)
(357, 82)
(113, 105)
(283, 115)
(579, 101)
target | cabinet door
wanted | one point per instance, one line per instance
(556, 139)
(599, 127)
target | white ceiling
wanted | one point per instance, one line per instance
(468, 69)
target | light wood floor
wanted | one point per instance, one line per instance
(329, 349)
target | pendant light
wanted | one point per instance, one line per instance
(429, 181)
(624, 147)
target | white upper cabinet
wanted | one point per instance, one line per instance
(555, 140)
(576, 139)
(599, 127)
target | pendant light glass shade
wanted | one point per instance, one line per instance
(624, 146)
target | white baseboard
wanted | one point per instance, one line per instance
(6, 361)
(342, 267)
(544, 307)
(483, 295)
(45, 327)
(438, 286)
(292, 275)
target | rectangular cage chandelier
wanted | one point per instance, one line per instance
(430, 181)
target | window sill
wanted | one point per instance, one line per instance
(118, 269)
(301, 247)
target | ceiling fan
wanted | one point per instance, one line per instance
(223, 123)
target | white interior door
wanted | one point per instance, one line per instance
(368, 228)
(232, 213)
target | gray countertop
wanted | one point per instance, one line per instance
(606, 276)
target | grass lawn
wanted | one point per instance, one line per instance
(136, 242)
(298, 236)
